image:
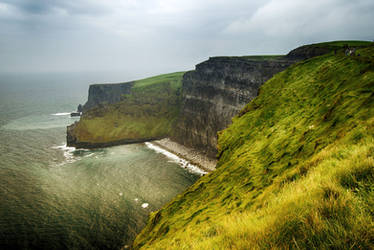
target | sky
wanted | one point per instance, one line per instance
(148, 37)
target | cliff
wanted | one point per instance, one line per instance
(106, 94)
(295, 170)
(219, 88)
(211, 95)
(216, 91)
(128, 112)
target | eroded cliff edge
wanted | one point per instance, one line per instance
(216, 91)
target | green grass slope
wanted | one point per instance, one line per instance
(296, 168)
(148, 112)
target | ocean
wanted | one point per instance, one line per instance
(55, 197)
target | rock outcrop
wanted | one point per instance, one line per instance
(216, 91)
(106, 94)
(125, 113)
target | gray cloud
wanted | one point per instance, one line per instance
(155, 36)
(46, 7)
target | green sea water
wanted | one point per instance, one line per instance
(54, 197)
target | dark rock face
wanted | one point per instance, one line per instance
(307, 51)
(106, 94)
(215, 92)
(80, 108)
(75, 114)
(70, 137)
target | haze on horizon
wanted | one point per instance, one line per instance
(159, 36)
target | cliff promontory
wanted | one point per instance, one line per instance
(128, 112)
(99, 94)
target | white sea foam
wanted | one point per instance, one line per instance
(68, 152)
(182, 162)
(60, 114)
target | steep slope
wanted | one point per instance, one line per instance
(296, 168)
(128, 112)
(216, 91)
(220, 87)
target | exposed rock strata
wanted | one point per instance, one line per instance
(106, 94)
(215, 92)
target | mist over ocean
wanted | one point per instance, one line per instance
(53, 197)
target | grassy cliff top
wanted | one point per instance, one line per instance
(149, 111)
(296, 168)
(175, 80)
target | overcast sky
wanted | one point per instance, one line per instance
(160, 36)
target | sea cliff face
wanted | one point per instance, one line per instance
(106, 94)
(125, 113)
(216, 91)
(220, 87)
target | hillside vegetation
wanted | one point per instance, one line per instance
(149, 111)
(295, 170)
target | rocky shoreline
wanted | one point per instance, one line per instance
(193, 156)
